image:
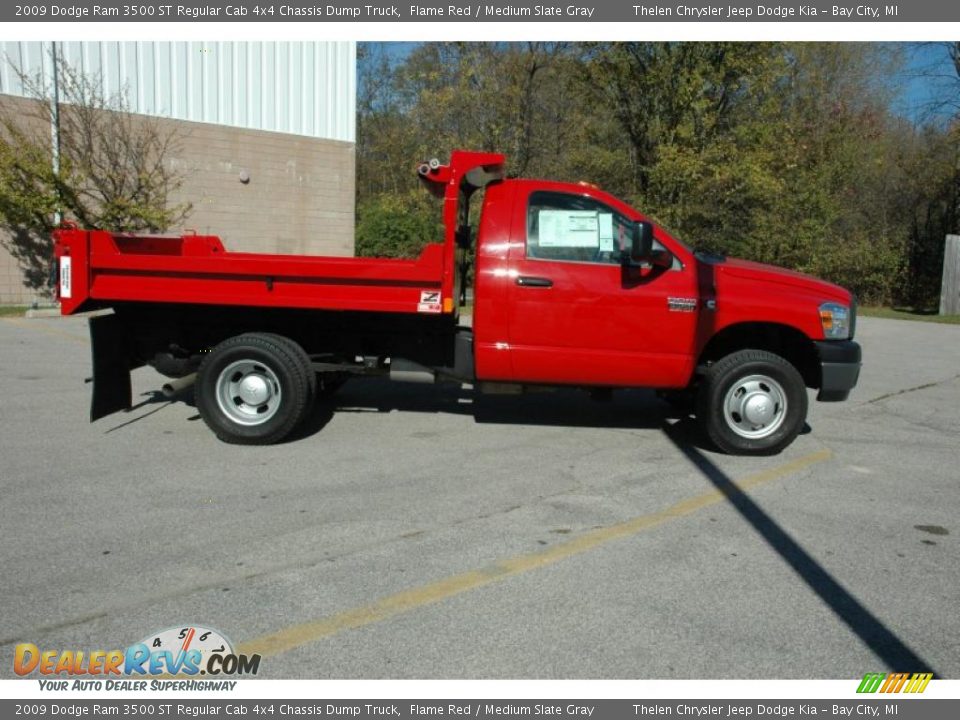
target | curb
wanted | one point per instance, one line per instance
(42, 313)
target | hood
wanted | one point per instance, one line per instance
(754, 271)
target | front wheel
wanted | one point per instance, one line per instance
(253, 389)
(752, 402)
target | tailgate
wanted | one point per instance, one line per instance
(71, 268)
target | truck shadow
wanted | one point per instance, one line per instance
(628, 409)
(153, 402)
(871, 631)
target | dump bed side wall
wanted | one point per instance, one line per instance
(107, 268)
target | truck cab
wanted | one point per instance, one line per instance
(574, 287)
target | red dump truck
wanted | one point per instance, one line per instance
(572, 287)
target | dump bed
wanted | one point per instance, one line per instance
(99, 269)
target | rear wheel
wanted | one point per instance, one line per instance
(298, 353)
(253, 389)
(752, 402)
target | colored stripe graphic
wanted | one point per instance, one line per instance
(918, 682)
(870, 682)
(894, 682)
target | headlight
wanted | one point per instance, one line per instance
(835, 319)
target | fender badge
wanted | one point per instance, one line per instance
(678, 304)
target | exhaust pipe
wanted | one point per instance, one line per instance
(178, 385)
(408, 371)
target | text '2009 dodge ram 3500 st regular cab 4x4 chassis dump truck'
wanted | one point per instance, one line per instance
(572, 288)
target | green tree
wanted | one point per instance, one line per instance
(798, 154)
(114, 171)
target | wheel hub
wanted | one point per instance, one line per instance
(758, 408)
(755, 406)
(254, 390)
(248, 392)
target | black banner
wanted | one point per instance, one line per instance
(477, 11)
(896, 707)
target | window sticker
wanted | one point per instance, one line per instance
(568, 229)
(605, 221)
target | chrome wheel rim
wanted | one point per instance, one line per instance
(248, 392)
(755, 406)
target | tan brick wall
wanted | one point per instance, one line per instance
(299, 199)
(12, 289)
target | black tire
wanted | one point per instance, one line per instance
(753, 383)
(301, 357)
(253, 389)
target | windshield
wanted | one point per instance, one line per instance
(674, 238)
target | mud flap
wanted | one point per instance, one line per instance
(111, 367)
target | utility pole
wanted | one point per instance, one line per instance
(55, 129)
(950, 284)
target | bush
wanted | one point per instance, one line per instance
(397, 226)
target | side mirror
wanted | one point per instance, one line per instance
(641, 245)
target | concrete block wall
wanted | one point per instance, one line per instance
(12, 289)
(299, 198)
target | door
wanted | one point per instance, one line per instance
(577, 315)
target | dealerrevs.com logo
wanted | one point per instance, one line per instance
(179, 652)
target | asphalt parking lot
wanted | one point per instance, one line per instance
(422, 532)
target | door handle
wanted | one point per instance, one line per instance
(530, 281)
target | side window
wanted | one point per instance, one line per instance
(575, 228)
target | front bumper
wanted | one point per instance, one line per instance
(839, 368)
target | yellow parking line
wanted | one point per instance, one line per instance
(301, 634)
